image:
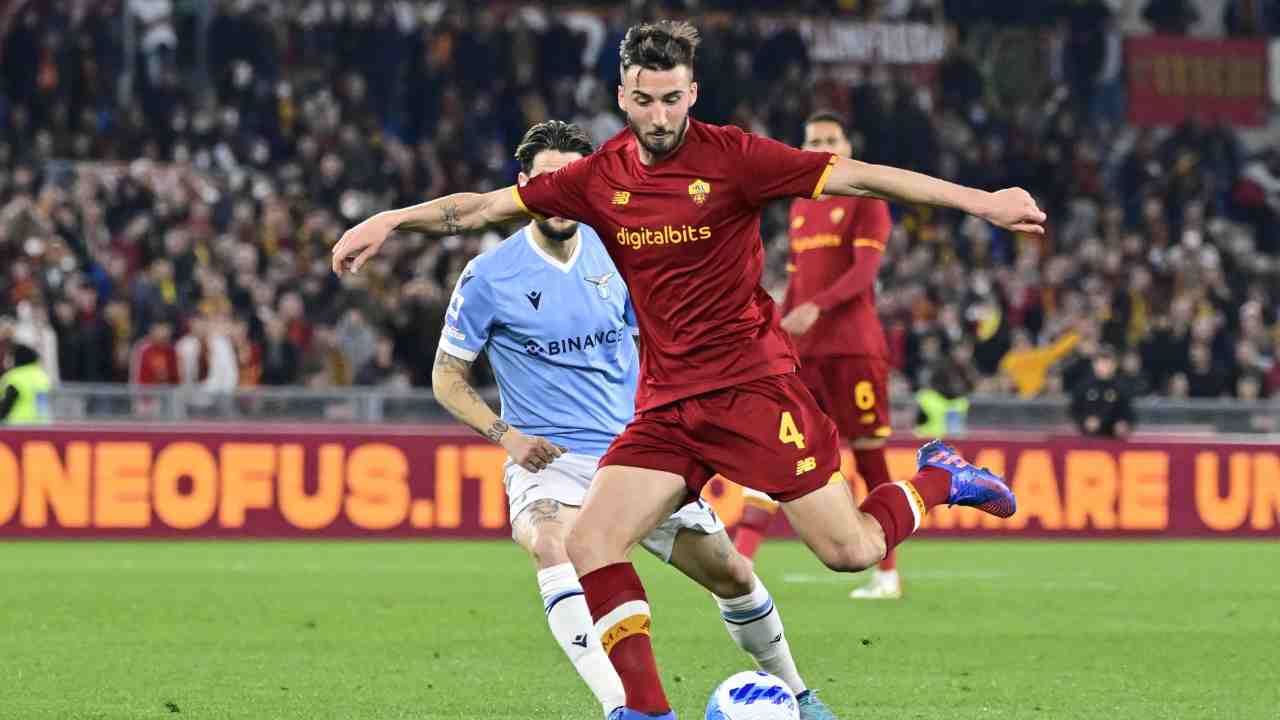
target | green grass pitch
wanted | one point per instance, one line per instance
(435, 630)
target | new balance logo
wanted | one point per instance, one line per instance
(535, 298)
(580, 640)
(807, 464)
(622, 197)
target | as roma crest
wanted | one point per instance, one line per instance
(699, 190)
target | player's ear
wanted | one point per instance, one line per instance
(693, 93)
(622, 96)
(522, 179)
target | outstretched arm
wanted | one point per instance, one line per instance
(1011, 208)
(449, 215)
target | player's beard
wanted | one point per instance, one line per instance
(660, 151)
(559, 233)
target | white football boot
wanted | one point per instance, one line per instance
(884, 585)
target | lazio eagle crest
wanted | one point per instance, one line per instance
(602, 284)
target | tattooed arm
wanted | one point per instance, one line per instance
(452, 386)
(449, 215)
(460, 212)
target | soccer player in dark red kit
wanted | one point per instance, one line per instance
(830, 311)
(677, 202)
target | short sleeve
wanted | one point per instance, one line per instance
(629, 316)
(772, 170)
(469, 317)
(873, 224)
(562, 193)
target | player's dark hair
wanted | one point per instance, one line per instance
(830, 116)
(552, 135)
(660, 45)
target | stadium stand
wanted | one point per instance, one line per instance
(201, 182)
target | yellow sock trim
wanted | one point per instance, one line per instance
(916, 500)
(623, 629)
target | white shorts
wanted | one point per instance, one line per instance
(566, 481)
(755, 497)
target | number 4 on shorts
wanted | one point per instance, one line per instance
(788, 432)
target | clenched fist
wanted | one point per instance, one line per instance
(530, 452)
(1014, 209)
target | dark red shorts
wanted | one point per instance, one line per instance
(853, 391)
(766, 434)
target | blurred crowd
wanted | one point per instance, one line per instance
(176, 228)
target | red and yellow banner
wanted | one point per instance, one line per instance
(1172, 78)
(441, 482)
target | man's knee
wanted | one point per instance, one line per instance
(547, 546)
(585, 543)
(541, 529)
(741, 576)
(735, 578)
(713, 562)
(575, 543)
(850, 557)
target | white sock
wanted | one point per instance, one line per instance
(887, 577)
(575, 633)
(754, 623)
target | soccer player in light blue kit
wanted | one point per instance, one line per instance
(548, 308)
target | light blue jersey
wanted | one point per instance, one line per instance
(558, 335)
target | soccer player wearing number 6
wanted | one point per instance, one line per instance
(678, 205)
(830, 311)
(549, 310)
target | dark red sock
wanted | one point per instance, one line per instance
(751, 530)
(875, 471)
(899, 507)
(934, 485)
(616, 596)
(890, 561)
(872, 466)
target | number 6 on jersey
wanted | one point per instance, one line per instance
(788, 432)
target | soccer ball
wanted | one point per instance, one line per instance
(753, 695)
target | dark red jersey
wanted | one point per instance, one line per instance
(153, 363)
(827, 237)
(685, 235)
